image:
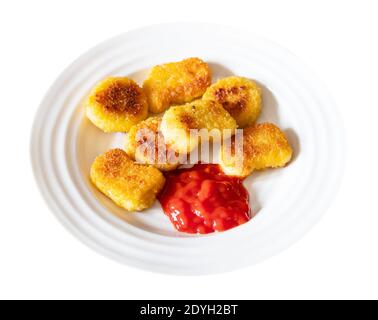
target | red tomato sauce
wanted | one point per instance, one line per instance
(203, 199)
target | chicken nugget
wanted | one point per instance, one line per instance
(176, 83)
(146, 144)
(241, 97)
(115, 104)
(131, 186)
(264, 146)
(179, 121)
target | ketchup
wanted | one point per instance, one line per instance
(203, 199)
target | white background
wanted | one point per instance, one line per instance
(337, 259)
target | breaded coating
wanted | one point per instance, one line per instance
(241, 97)
(200, 114)
(146, 144)
(115, 104)
(264, 146)
(176, 83)
(131, 186)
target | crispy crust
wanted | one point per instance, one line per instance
(157, 152)
(120, 97)
(131, 186)
(176, 83)
(241, 97)
(199, 114)
(264, 146)
(116, 103)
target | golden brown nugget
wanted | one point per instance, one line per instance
(131, 186)
(176, 83)
(264, 146)
(115, 104)
(146, 144)
(241, 97)
(178, 121)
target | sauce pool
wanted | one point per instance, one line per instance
(202, 199)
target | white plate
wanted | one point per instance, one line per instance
(288, 201)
